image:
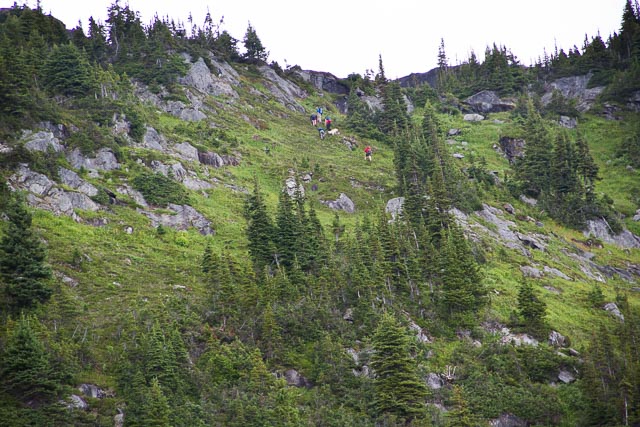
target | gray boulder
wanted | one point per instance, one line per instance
(473, 117)
(183, 217)
(73, 180)
(41, 141)
(568, 122)
(600, 229)
(76, 402)
(528, 271)
(556, 339)
(488, 101)
(636, 217)
(343, 202)
(394, 207)
(93, 391)
(104, 160)
(292, 188)
(153, 140)
(556, 272)
(434, 381)
(294, 378)
(186, 151)
(566, 376)
(612, 308)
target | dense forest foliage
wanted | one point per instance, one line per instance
(384, 321)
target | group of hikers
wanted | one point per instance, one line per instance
(316, 118)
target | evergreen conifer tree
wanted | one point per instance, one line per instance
(532, 309)
(25, 369)
(23, 272)
(260, 230)
(255, 51)
(398, 389)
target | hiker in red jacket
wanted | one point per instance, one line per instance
(367, 153)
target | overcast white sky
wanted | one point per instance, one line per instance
(347, 36)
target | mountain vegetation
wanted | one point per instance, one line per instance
(179, 248)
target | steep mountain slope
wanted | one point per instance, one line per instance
(145, 194)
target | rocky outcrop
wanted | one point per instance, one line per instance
(183, 218)
(508, 420)
(186, 151)
(612, 308)
(45, 194)
(601, 230)
(488, 101)
(283, 90)
(394, 207)
(104, 160)
(512, 148)
(574, 87)
(154, 140)
(343, 203)
(322, 81)
(294, 379)
(293, 188)
(73, 180)
(202, 79)
(43, 141)
(473, 117)
(217, 161)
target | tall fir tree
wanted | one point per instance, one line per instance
(398, 389)
(25, 368)
(23, 269)
(260, 230)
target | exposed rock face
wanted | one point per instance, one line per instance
(574, 87)
(185, 217)
(291, 189)
(44, 194)
(153, 140)
(532, 272)
(343, 203)
(601, 230)
(508, 420)
(70, 178)
(294, 378)
(284, 91)
(473, 117)
(105, 160)
(566, 377)
(92, 390)
(612, 308)
(568, 122)
(200, 77)
(556, 339)
(41, 141)
(217, 161)
(417, 79)
(434, 382)
(488, 101)
(134, 194)
(634, 102)
(394, 207)
(513, 148)
(186, 151)
(324, 81)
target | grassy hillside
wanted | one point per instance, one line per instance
(176, 327)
